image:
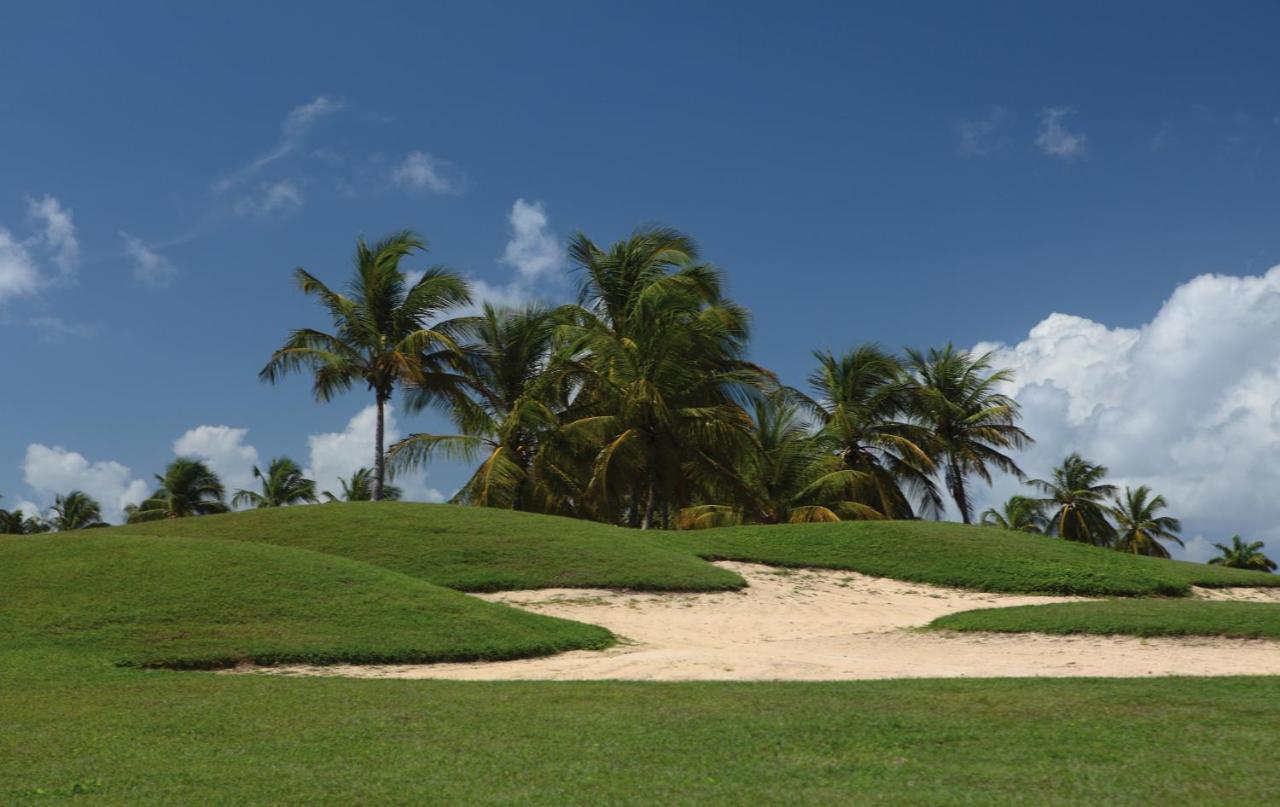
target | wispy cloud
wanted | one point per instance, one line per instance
(53, 240)
(149, 267)
(270, 199)
(57, 330)
(1055, 139)
(58, 231)
(981, 136)
(420, 171)
(296, 124)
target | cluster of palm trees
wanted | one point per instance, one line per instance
(1078, 505)
(637, 405)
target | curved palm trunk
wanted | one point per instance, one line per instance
(379, 457)
(955, 480)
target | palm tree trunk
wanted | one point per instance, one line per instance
(958, 492)
(379, 457)
(647, 521)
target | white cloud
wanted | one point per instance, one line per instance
(224, 450)
(337, 455)
(420, 171)
(980, 137)
(149, 266)
(1188, 403)
(51, 471)
(270, 199)
(532, 250)
(1054, 139)
(19, 273)
(56, 329)
(295, 126)
(58, 231)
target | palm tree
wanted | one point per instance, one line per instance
(359, 488)
(860, 407)
(282, 485)
(76, 511)
(1244, 556)
(1077, 496)
(954, 394)
(386, 333)
(1138, 529)
(1019, 513)
(187, 488)
(13, 522)
(512, 409)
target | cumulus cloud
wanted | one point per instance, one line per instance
(1054, 139)
(420, 171)
(270, 199)
(337, 455)
(1188, 403)
(58, 231)
(225, 451)
(149, 267)
(981, 136)
(19, 272)
(54, 470)
(532, 250)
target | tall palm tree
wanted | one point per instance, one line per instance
(359, 488)
(1019, 513)
(1138, 529)
(955, 394)
(187, 488)
(1241, 555)
(387, 332)
(76, 511)
(1076, 495)
(282, 485)
(860, 406)
(512, 407)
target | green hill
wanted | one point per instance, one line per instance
(467, 548)
(161, 601)
(1147, 617)
(951, 554)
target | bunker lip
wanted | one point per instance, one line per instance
(819, 625)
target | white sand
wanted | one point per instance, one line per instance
(810, 625)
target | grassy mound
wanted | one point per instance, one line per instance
(467, 548)
(1154, 617)
(946, 554)
(157, 601)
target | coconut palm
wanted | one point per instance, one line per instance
(1019, 513)
(76, 510)
(13, 522)
(954, 394)
(1241, 555)
(1076, 497)
(388, 331)
(359, 488)
(860, 405)
(1138, 529)
(282, 485)
(512, 408)
(187, 488)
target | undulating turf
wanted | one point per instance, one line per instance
(161, 601)
(951, 554)
(1146, 617)
(467, 548)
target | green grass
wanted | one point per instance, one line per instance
(131, 737)
(949, 554)
(158, 601)
(1150, 617)
(468, 548)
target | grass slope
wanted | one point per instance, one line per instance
(1153, 617)
(467, 548)
(130, 737)
(948, 554)
(157, 601)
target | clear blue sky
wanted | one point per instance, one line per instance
(908, 173)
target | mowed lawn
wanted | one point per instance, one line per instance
(963, 556)
(1146, 617)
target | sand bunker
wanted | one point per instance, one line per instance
(813, 625)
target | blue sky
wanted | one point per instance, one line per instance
(910, 174)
